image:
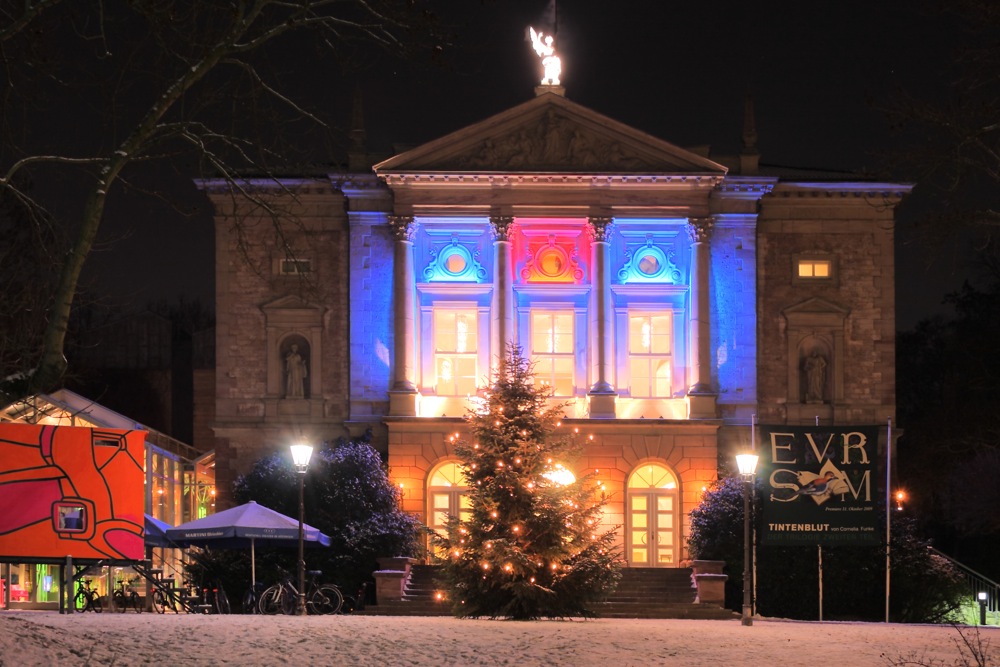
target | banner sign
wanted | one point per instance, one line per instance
(71, 491)
(819, 485)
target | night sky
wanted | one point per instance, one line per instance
(680, 71)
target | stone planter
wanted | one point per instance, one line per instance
(390, 579)
(711, 588)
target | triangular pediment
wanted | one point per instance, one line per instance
(289, 302)
(544, 135)
(816, 305)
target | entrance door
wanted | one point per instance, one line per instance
(652, 517)
(447, 497)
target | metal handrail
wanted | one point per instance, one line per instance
(977, 582)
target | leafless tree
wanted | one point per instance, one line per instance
(949, 133)
(93, 90)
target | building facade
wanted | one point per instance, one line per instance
(667, 298)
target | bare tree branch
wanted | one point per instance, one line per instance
(175, 55)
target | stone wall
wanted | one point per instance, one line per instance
(258, 307)
(853, 313)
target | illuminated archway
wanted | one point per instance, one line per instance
(652, 502)
(447, 496)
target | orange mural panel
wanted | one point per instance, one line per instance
(71, 491)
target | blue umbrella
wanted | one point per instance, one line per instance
(243, 526)
(155, 533)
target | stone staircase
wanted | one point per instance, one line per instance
(655, 592)
(420, 597)
(642, 593)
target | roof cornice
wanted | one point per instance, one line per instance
(551, 179)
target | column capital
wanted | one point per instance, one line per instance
(501, 225)
(700, 229)
(402, 227)
(601, 226)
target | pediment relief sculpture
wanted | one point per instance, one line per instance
(555, 142)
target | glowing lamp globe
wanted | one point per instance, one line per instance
(300, 457)
(747, 464)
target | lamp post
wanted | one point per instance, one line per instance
(747, 464)
(982, 607)
(300, 457)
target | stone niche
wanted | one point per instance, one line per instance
(815, 355)
(294, 353)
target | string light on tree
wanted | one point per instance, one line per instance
(530, 546)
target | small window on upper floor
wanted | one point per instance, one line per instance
(814, 268)
(294, 267)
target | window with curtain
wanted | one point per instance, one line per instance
(650, 343)
(552, 347)
(455, 352)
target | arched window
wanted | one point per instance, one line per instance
(652, 497)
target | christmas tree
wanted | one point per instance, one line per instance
(532, 545)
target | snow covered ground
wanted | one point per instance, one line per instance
(48, 638)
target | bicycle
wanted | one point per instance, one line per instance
(162, 601)
(86, 598)
(356, 602)
(214, 595)
(251, 599)
(125, 597)
(283, 597)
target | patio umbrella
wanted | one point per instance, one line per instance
(155, 533)
(243, 526)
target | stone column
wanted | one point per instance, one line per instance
(502, 306)
(701, 398)
(602, 394)
(403, 395)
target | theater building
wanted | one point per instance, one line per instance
(666, 295)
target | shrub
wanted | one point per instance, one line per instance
(923, 587)
(349, 497)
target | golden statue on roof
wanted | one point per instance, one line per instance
(547, 52)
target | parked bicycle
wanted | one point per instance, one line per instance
(125, 597)
(356, 602)
(283, 597)
(86, 598)
(162, 601)
(251, 599)
(214, 597)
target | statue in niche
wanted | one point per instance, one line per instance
(296, 372)
(815, 368)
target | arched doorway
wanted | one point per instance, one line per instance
(447, 496)
(652, 499)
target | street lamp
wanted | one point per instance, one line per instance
(747, 464)
(300, 457)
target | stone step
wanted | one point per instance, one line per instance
(641, 593)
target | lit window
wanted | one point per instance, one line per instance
(650, 344)
(455, 352)
(291, 267)
(70, 517)
(652, 476)
(552, 350)
(814, 268)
